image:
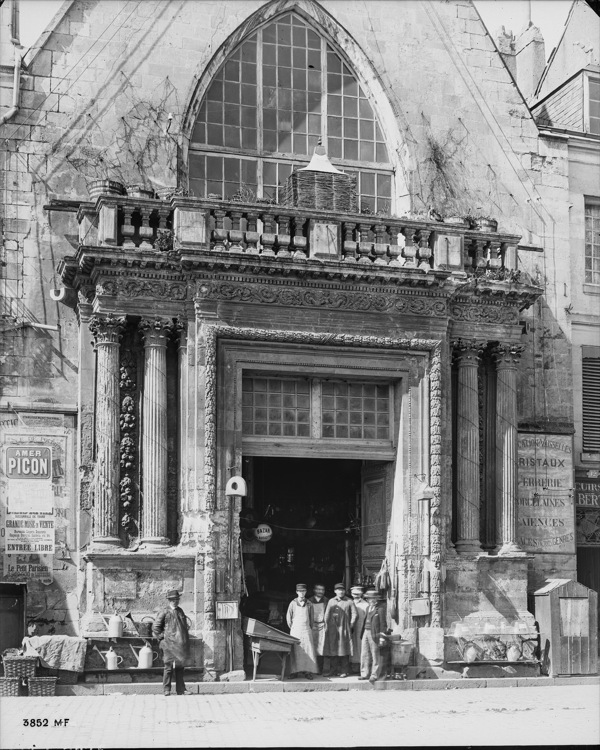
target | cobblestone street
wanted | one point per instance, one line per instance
(494, 716)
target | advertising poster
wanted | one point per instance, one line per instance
(545, 493)
(587, 506)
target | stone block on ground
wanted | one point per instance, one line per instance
(237, 675)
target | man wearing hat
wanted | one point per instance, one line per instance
(170, 627)
(358, 597)
(340, 619)
(370, 662)
(300, 620)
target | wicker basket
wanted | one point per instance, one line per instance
(41, 686)
(9, 687)
(327, 191)
(20, 666)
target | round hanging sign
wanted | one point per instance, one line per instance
(263, 532)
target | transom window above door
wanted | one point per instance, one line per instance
(280, 90)
(316, 408)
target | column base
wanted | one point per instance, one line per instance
(470, 547)
(510, 549)
(155, 541)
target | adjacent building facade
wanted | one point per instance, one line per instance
(384, 355)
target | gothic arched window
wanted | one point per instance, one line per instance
(282, 89)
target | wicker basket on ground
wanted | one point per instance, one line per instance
(22, 667)
(9, 687)
(42, 686)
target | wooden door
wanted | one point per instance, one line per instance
(376, 493)
(578, 645)
(12, 615)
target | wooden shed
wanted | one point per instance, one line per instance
(567, 615)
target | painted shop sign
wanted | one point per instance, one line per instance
(545, 493)
(587, 512)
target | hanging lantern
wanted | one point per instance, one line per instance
(263, 532)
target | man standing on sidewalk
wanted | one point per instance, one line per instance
(340, 619)
(171, 628)
(370, 660)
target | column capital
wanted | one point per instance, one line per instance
(507, 355)
(156, 331)
(107, 329)
(468, 350)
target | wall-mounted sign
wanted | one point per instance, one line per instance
(545, 493)
(29, 534)
(587, 520)
(29, 567)
(227, 610)
(28, 470)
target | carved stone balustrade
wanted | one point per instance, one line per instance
(278, 233)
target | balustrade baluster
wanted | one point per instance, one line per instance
(219, 233)
(409, 252)
(299, 240)
(236, 236)
(470, 254)
(128, 228)
(493, 254)
(349, 242)
(480, 254)
(268, 236)
(394, 249)
(145, 231)
(380, 246)
(283, 236)
(365, 245)
(424, 249)
(252, 236)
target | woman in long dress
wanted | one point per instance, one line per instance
(300, 619)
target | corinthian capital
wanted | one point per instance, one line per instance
(507, 355)
(468, 350)
(156, 331)
(107, 329)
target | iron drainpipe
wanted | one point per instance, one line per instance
(10, 113)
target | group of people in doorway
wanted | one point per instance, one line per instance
(338, 636)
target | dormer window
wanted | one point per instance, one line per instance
(592, 104)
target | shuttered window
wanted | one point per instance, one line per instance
(591, 404)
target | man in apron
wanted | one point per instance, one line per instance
(300, 622)
(319, 603)
(362, 606)
(171, 628)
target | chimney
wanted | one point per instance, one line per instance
(530, 60)
(505, 40)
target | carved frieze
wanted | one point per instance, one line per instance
(132, 288)
(296, 296)
(482, 313)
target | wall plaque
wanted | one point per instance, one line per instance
(546, 520)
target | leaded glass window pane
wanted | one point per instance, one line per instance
(280, 91)
(592, 243)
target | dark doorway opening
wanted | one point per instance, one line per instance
(313, 509)
(12, 615)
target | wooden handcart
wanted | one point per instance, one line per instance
(265, 638)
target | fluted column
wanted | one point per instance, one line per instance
(507, 359)
(467, 453)
(107, 333)
(154, 431)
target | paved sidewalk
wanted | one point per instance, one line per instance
(495, 716)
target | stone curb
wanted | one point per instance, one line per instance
(297, 686)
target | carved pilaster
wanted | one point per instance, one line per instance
(154, 431)
(506, 357)
(468, 354)
(107, 333)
